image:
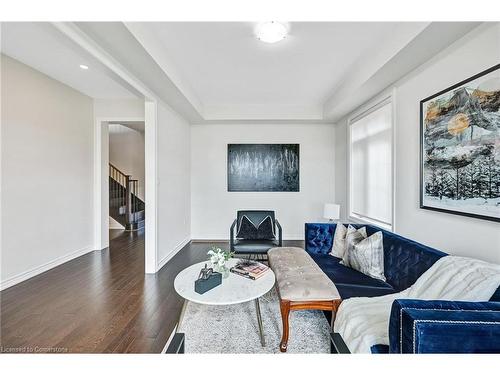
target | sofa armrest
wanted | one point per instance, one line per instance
(280, 232)
(418, 326)
(231, 235)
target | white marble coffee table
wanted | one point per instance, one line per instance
(234, 289)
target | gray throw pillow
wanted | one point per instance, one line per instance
(367, 256)
(338, 248)
(352, 237)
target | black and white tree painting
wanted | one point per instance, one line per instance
(263, 167)
(461, 148)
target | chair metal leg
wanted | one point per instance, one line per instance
(259, 320)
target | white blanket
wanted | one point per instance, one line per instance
(364, 321)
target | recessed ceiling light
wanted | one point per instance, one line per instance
(271, 32)
(84, 67)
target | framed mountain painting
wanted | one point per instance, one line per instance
(460, 148)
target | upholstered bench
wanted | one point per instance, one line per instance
(301, 284)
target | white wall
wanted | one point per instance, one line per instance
(341, 182)
(214, 208)
(174, 189)
(126, 152)
(119, 109)
(454, 234)
(47, 174)
(173, 227)
(101, 183)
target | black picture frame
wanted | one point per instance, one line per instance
(290, 181)
(422, 171)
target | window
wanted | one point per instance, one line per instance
(371, 180)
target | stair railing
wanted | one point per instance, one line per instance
(132, 194)
(127, 195)
(122, 179)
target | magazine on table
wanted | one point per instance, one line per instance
(250, 269)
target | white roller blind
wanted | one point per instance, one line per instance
(371, 166)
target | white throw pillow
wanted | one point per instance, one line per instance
(367, 256)
(353, 236)
(338, 248)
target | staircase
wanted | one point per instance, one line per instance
(124, 204)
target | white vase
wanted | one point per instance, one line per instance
(224, 270)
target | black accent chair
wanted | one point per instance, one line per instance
(250, 246)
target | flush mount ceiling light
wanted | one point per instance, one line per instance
(84, 67)
(271, 32)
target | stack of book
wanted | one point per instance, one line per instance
(250, 269)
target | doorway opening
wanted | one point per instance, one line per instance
(126, 176)
(141, 216)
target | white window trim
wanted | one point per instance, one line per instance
(369, 107)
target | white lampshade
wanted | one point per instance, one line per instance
(331, 211)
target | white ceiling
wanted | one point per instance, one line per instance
(44, 48)
(234, 75)
(220, 72)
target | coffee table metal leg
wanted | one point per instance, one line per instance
(259, 320)
(181, 317)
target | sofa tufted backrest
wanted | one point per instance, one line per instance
(404, 260)
(319, 237)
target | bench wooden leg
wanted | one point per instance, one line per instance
(286, 306)
(335, 307)
(285, 312)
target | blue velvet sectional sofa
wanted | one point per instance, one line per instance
(415, 326)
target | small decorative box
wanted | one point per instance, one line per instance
(208, 280)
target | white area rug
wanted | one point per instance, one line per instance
(234, 328)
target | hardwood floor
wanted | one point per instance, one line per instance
(101, 302)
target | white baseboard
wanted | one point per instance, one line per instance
(11, 281)
(203, 240)
(294, 238)
(176, 249)
(287, 238)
